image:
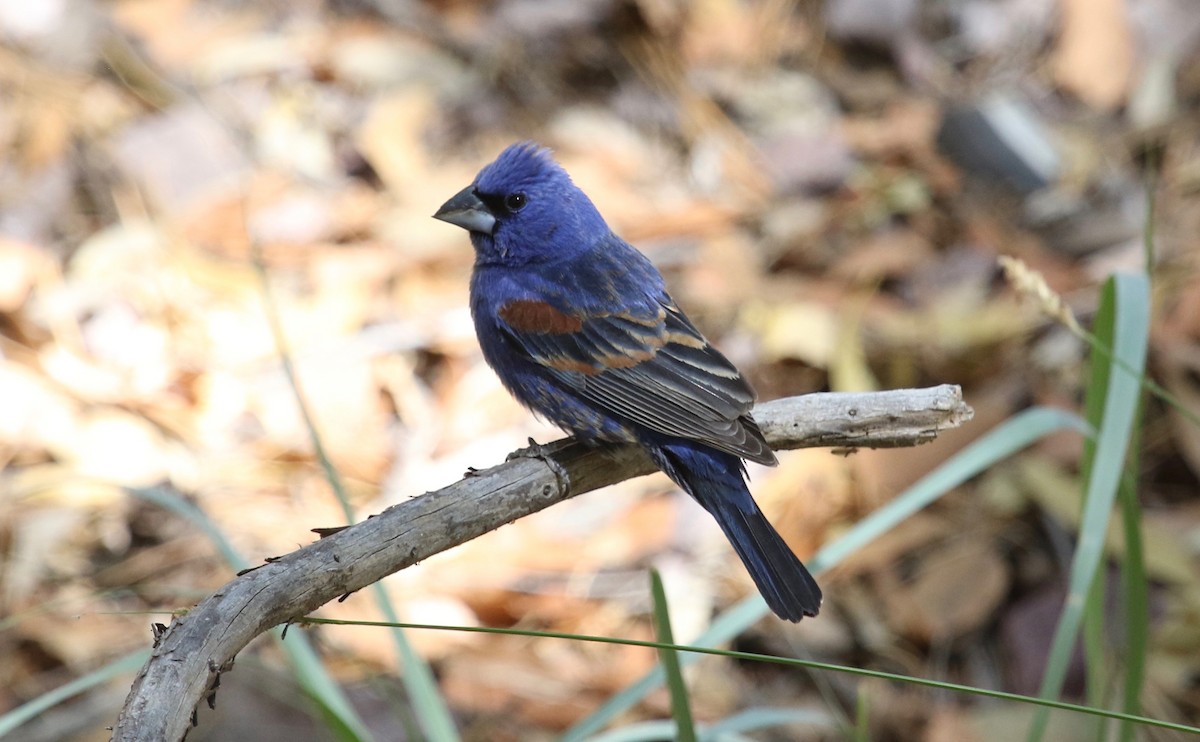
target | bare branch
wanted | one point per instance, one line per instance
(186, 657)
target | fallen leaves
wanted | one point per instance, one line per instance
(789, 182)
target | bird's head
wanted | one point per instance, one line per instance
(523, 208)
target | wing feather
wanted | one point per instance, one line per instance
(650, 367)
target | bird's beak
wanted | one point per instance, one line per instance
(467, 211)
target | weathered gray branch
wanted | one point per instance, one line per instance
(181, 668)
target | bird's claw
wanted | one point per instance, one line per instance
(545, 454)
(534, 450)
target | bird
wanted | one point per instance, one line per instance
(580, 328)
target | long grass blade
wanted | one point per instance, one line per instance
(428, 704)
(22, 714)
(1136, 600)
(1135, 589)
(1096, 662)
(1128, 295)
(729, 729)
(681, 707)
(311, 674)
(686, 650)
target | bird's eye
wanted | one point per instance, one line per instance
(515, 201)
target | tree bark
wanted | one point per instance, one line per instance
(197, 645)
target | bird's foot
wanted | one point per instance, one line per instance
(534, 450)
(545, 454)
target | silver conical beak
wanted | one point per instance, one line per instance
(467, 211)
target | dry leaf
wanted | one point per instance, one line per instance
(956, 591)
(1095, 56)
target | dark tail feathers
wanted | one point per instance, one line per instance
(715, 479)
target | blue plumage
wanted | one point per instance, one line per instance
(580, 329)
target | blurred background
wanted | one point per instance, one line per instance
(826, 186)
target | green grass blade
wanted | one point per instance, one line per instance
(1135, 589)
(1096, 659)
(1129, 295)
(1136, 600)
(753, 719)
(340, 717)
(433, 715)
(310, 672)
(1094, 645)
(13, 719)
(646, 731)
(1008, 438)
(725, 730)
(430, 707)
(724, 628)
(862, 714)
(681, 707)
(685, 650)
(173, 501)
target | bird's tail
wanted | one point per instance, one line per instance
(717, 482)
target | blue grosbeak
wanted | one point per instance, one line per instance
(580, 329)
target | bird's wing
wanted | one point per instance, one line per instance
(649, 366)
